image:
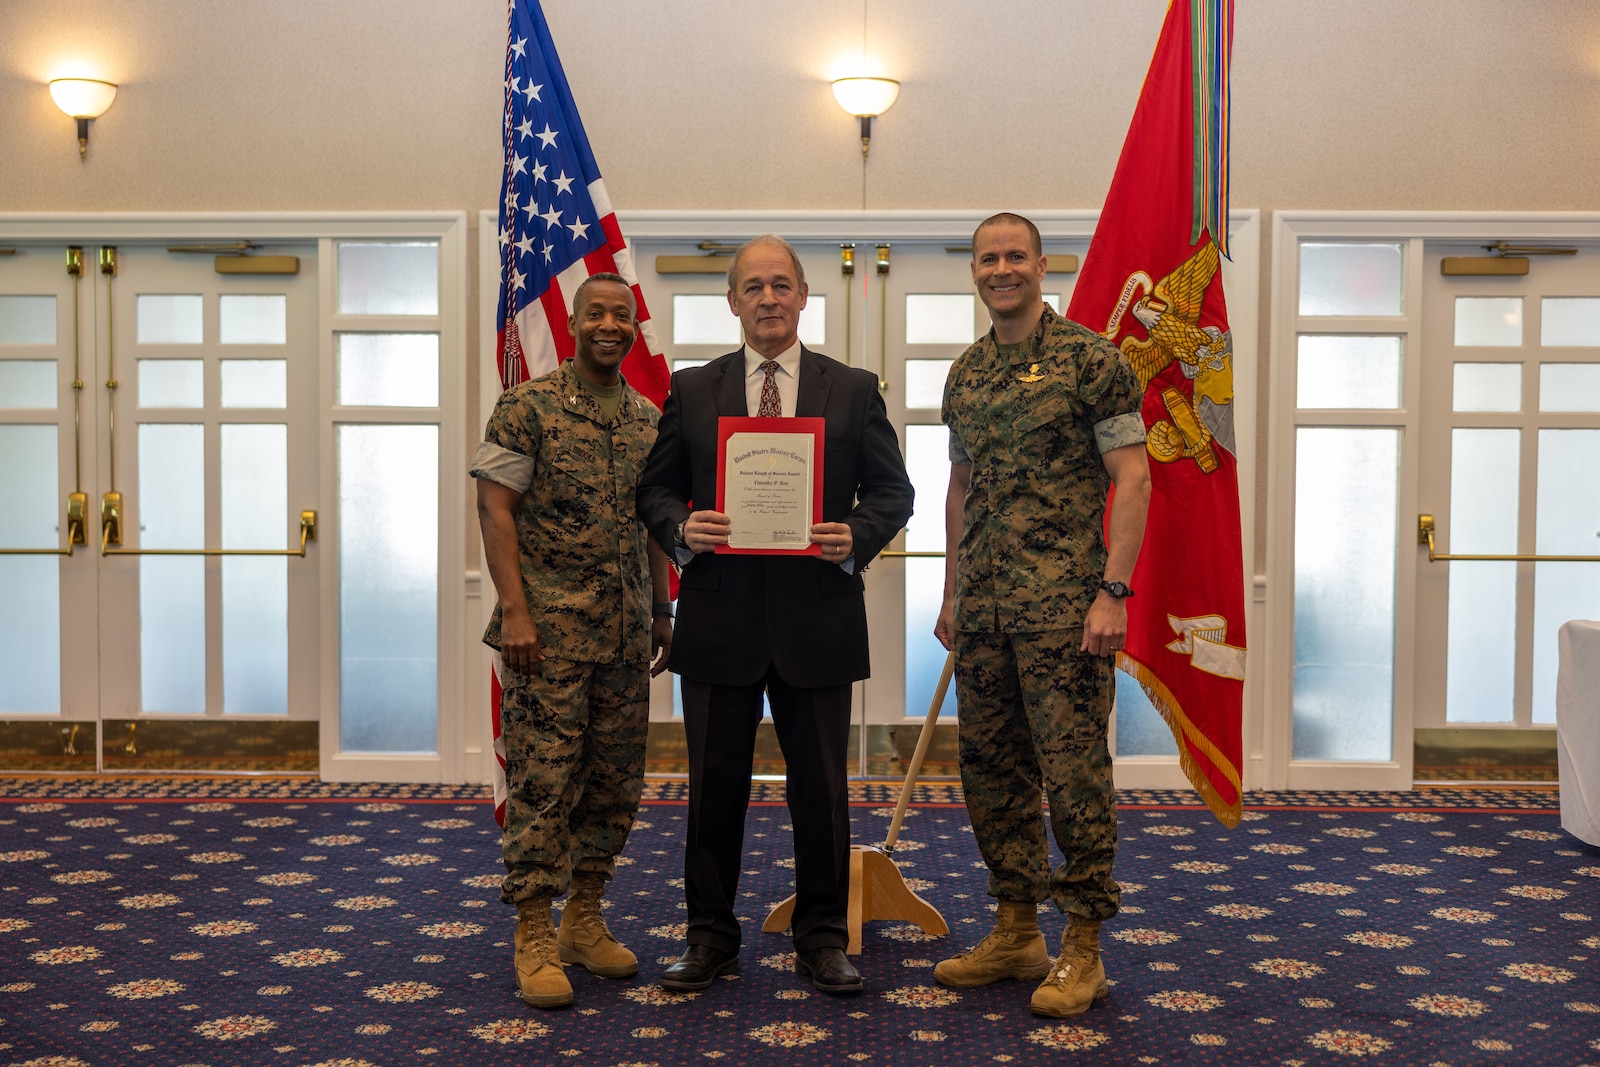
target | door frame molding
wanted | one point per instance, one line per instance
(1276, 683)
(451, 763)
(938, 227)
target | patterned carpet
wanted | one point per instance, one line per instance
(287, 923)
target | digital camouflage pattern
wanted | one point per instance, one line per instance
(1033, 427)
(1033, 708)
(575, 743)
(584, 568)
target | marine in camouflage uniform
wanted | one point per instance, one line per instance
(1032, 618)
(574, 708)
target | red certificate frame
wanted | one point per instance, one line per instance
(727, 426)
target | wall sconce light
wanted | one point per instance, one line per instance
(866, 98)
(84, 99)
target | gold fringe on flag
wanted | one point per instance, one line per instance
(1227, 813)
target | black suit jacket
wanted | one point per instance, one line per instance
(736, 613)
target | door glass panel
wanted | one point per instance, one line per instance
(925, 380)
(1569, 387)
(30, 607)
(685, 364)
(1488, 321)
(389, 278)
(1054, 300)
(704, 319)
(28, 383)
(1487, 387)
(813, 327)
(928, 464)
(1346, 488)
(388, 588)
(27, 320)
(1344, 371)
(255, 590)
(253, 320)
(255, 383)
(170, 320)
(940, 318)
(170, 508)
(388, 369)
(1569, 321)
(1350, 279)
(1568, 510)
(171, 383)
(1482, 633)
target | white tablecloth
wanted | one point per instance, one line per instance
(1578, 729)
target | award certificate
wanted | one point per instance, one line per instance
(769, 483)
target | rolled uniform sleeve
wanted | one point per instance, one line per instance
(503, 466)
(1116, 432)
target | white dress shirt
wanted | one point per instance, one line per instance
(787, 378)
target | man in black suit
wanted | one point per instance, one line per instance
(792, 627)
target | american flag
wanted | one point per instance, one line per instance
(557, 227)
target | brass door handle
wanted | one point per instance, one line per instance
(111, 534)
(1425, 537)
(77, 508)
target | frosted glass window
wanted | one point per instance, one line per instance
(170, 509)
(813, 327)
(704, 319)
(171, 383)
(30, 607)
(1054, 300)
(255, 383)
(1568, 517)
(1569, 321)
(685, 364)
(1346, 488)
(170, 320)
(27, 320)
(940, 319)
(1482, 634)
(389, 278)
(27, 383)
(925, 380)
(1487, 387)
(1351, 279)
(255, 590)
(388, 369)
(253, 320)
(1488, 321)
(1569, 387)
(388, 588)
(928, 464)
(1141, 731)
(1348, 372)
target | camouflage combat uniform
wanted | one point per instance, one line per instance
(1032, 707)
(575, 733)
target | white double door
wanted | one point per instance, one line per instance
(182, 405)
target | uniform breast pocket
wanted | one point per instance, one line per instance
(1051, 410)
(577, 483)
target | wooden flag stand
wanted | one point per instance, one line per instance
(877, 888)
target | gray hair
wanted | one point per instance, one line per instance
(765, 239)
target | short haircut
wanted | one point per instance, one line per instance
(602, 276)
(1007, 218)
(765, 239)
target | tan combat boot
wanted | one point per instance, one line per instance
(539, 974)
(583, 937)
(1014, 949)
(1076, 979)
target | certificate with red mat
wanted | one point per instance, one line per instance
(769, 484)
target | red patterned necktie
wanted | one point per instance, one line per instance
(771, 406)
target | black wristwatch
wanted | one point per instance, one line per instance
(1119, 590)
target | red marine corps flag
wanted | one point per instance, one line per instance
(1151, 284)
(557, 227)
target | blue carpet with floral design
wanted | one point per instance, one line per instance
(224, 922)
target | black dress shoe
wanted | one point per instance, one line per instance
(830, 970)
(697, 968)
